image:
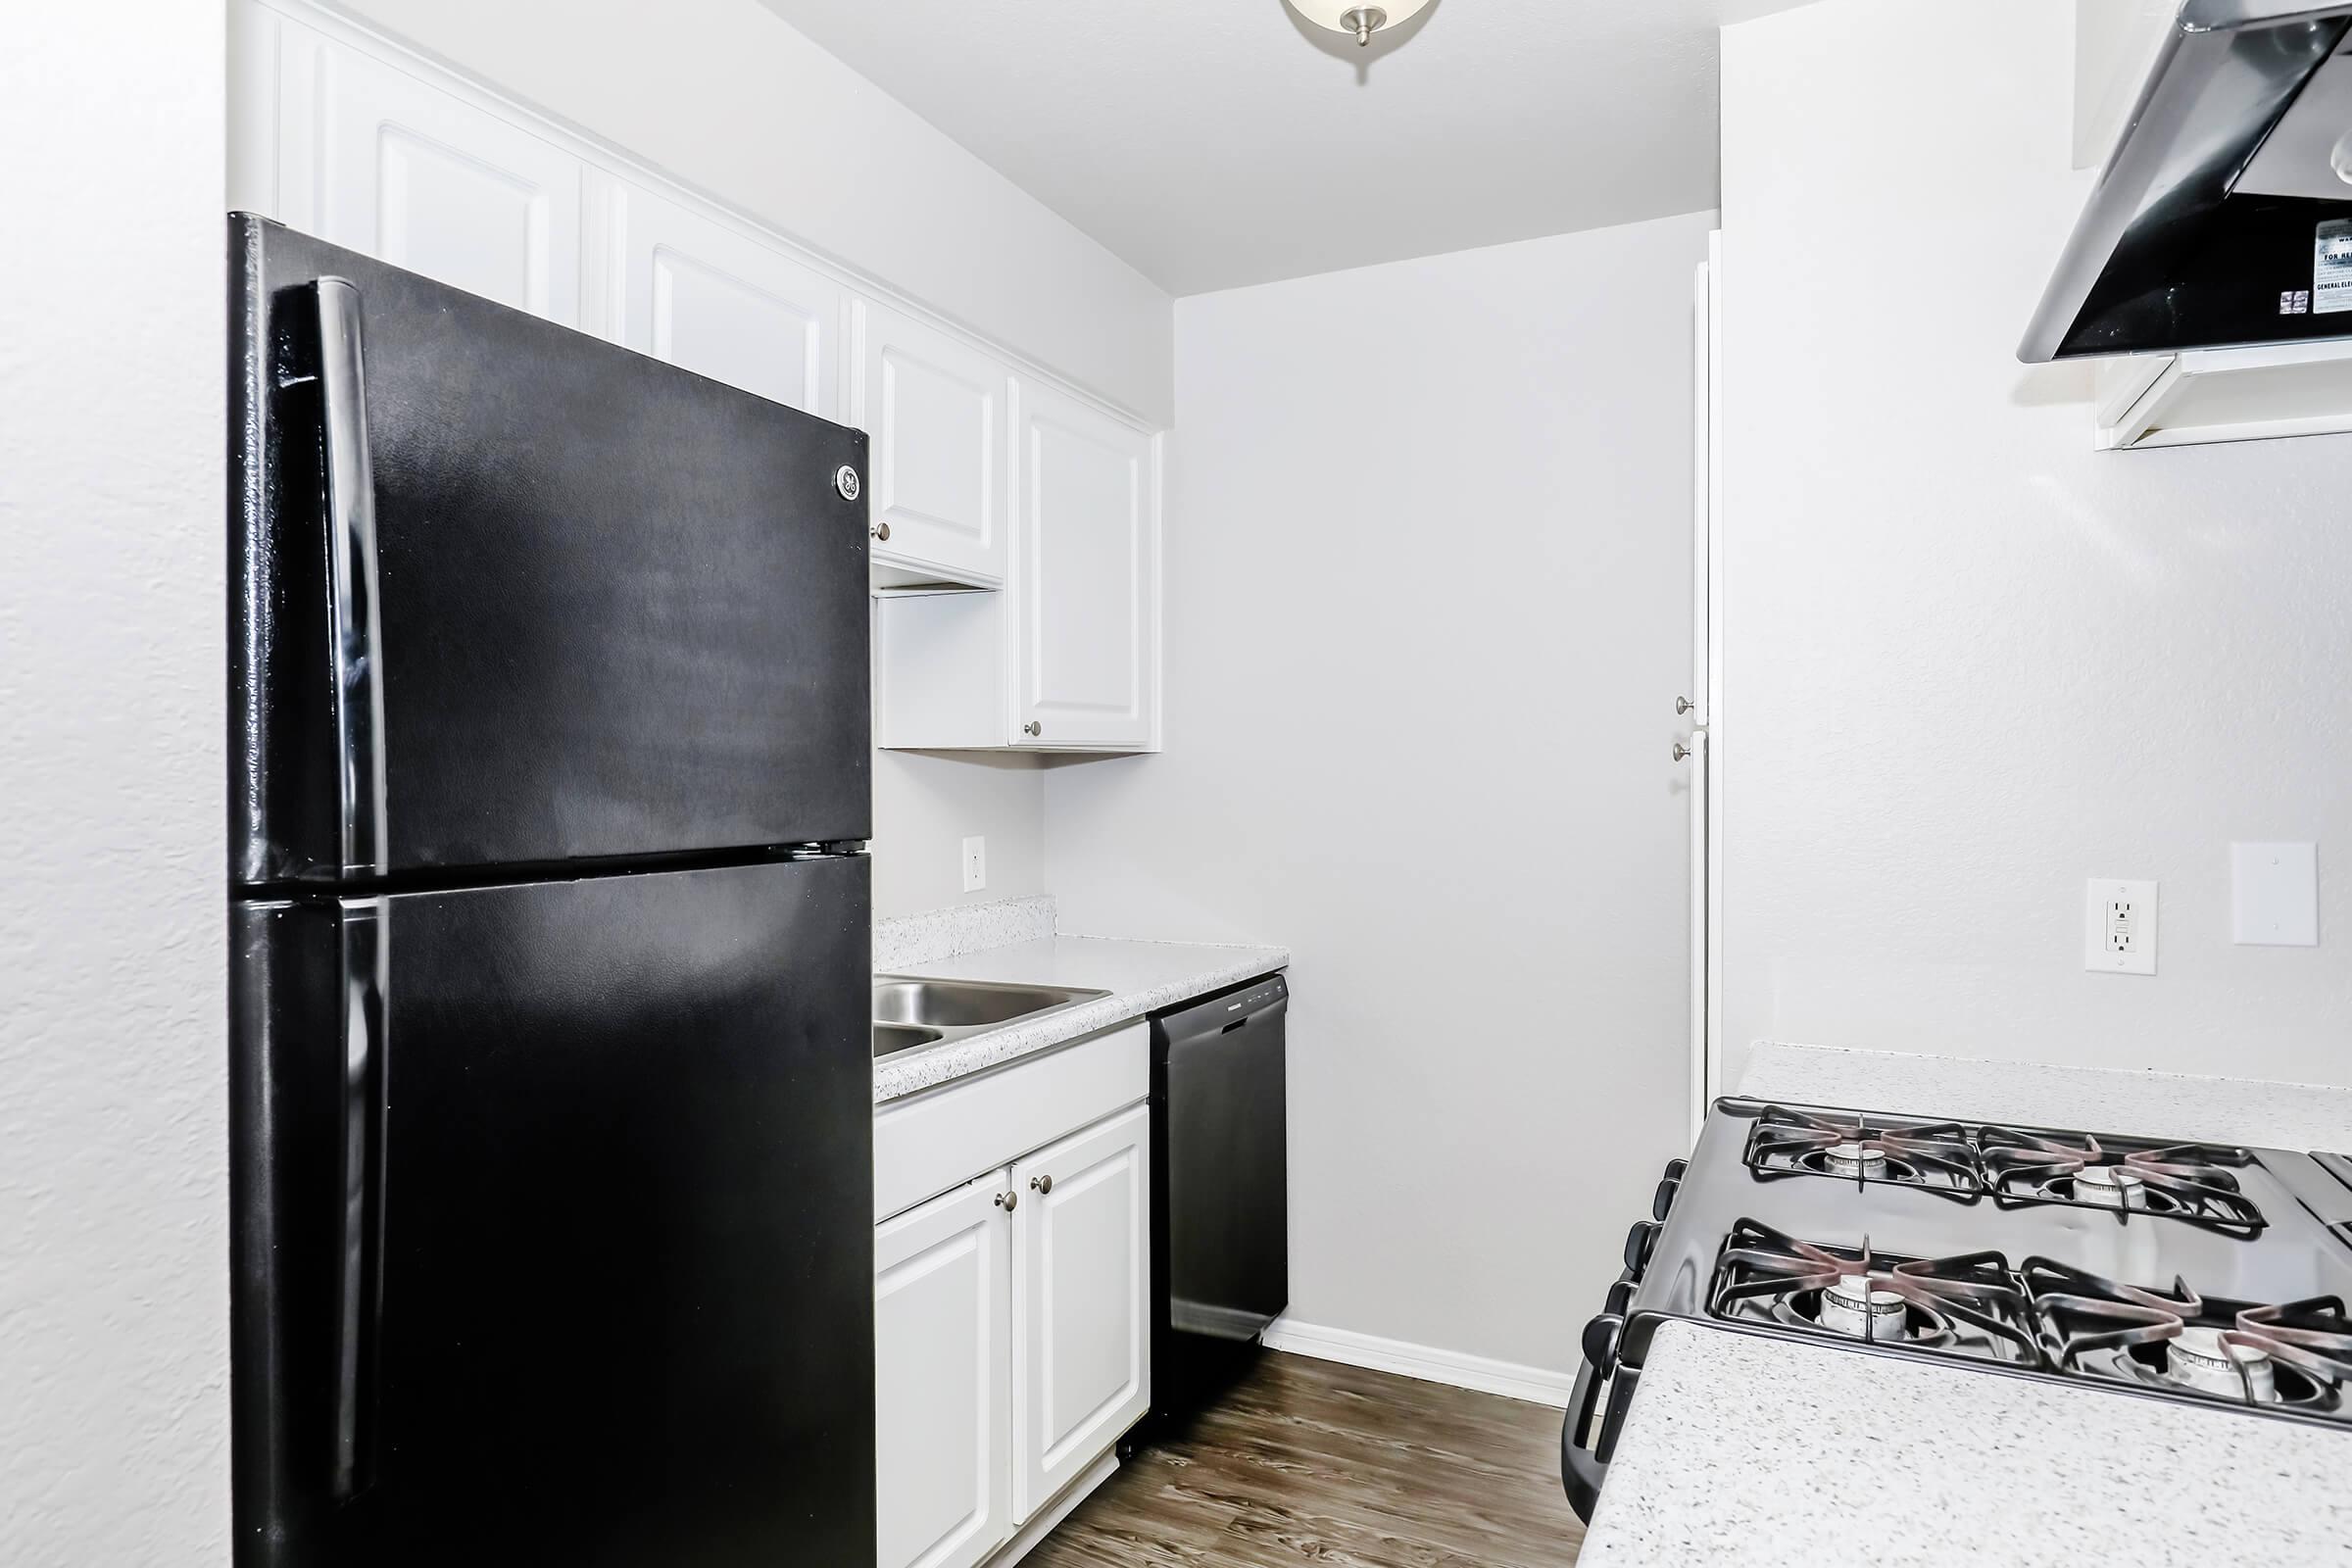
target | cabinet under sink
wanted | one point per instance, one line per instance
(1011, 1297)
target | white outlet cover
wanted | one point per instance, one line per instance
(975, 864)
(2119, 926)
(2275, 894)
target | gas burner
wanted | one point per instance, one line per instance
(2296, 1355)
(1866, 1161)
(1967, 1307)
(2191, 1182)
(1934, 1155)
(2212, 1361)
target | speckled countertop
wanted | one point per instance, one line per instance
(1141, 976)
(2150, 1105)
(1751, 1452)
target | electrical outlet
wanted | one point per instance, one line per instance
(975, 864)
(2120, 927)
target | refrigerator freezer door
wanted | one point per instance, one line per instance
(618, 609)
(570, 1259)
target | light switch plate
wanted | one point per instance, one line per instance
(975, 864)
(2275, 894)
(2119, 926)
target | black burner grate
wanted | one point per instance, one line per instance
(2043, 1316)
(2295, 1354)
(2190, 1182)
(1933, 1155)
(1968, 1305)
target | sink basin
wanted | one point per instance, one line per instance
(892, 1038)
(963, 1005)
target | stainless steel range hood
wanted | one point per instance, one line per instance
(2224, 215)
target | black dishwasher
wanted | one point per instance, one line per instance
(1220, 1183)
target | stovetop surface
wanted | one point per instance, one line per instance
(2005, 1248)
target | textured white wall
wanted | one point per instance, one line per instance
(1971, 661)
(727, 97)
(927, 803)
(1428, 608)
(114, 1149)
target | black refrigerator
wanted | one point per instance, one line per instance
(551, 1079)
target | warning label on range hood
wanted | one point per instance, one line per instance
(2332, 268)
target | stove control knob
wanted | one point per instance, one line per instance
(1600, 1342)
(1621, 1297)
(1663, 1198)
(1674, 1170)
(1639, 1242)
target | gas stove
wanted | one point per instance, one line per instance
(2200, 1272)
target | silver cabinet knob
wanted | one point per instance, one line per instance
(1033, 727)
(1008, 1201)
(1681, 750)
(880, 530)
(1041, 1185)
(1683, 704)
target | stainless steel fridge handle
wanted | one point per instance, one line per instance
(359, 690)
(359, 1282)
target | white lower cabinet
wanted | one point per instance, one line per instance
(943, 1379)
(1082, 1248)
(1011, 1329)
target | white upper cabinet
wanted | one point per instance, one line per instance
(1067, 657)
(936, 410)
(1083, 1246)
(979, 477)
(373, 160)
(942, 1299)
(1088, 557)
(702, 295)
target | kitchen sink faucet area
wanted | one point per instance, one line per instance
(768, 759)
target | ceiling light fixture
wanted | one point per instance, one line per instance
(1352, 16)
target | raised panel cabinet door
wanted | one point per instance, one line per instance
(1088, 600)
(375, 161)
(720, 303)
(937, 410)
(943, 1375)
(1082, 1251)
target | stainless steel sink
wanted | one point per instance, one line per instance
(912, 1013)
(892, 1038)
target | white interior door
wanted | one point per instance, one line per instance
(937, 410)
(1086, 556)
(373, 160)
(942, 1373)
(1082, 1242)
(701, 295)
(1706, 680)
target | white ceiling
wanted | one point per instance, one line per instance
(1214, 143)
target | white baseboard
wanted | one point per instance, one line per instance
(1025, 1539)
(1534, 1384)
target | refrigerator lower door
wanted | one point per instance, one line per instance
(553, 1234)
(507, 595)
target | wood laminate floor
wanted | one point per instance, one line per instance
(1309, 1461)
